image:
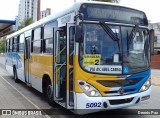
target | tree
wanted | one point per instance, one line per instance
(25, 23)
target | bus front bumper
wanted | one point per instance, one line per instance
(85, 104)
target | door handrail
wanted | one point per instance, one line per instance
(60, 52)
(61, 67)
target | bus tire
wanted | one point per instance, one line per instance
(15, 75)
(49, 93)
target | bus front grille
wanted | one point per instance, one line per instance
(117, 92)
(119, 83)
(121, 101)
(114, 92)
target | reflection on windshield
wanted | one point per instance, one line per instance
(96, 41)
(135, 50)
(100, 53)
(99, 49)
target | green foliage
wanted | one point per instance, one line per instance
(25, 23)
(2, 44)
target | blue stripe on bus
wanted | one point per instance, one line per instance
(136, 88)
(13, 59)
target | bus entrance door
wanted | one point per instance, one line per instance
(27, 60)
(63, 66)
(70, 53)
(60, 54)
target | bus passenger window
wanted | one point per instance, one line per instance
(36, 42)
(10, 45)
(48, 37)
(7, 46)
(20, 43)
(15, 44)
(36, 46)
(49, 46)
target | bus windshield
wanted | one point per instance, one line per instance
(126, 51)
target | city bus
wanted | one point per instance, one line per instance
(93, 56)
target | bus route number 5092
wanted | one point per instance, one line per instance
(93, 105)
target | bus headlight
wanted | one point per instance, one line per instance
(93, 93)
(146, 85)
(88, 89)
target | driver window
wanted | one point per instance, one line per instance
(92, 43)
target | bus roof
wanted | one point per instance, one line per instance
(74, 8)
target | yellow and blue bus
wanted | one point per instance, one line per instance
(93, 56)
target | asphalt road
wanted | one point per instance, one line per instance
(19, 96)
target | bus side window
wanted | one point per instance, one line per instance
(21, 43)
(48, 37)
(7, 45)
(10, 45)
(18, 43)
(36, 42)
(15, 44)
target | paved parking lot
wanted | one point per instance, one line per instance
(155, 80)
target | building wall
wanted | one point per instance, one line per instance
(156, 27)
(28, 9)
(155, 59)
(21, 11)
(45, 13)
(38, 9)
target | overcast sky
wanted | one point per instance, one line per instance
(9, 8)
(150, 7)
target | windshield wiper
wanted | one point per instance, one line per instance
(108, 30)
(131, 36)
(133, 33)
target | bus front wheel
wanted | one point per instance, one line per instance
(49, 94)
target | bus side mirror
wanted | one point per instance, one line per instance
(78, 35)
(151, 38)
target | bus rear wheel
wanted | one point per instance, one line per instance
(15, 75)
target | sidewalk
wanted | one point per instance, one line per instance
(155, 80)
(155, 76)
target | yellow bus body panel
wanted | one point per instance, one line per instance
(42, 64)
(80, 74)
